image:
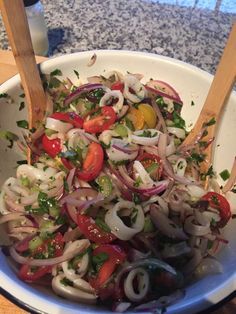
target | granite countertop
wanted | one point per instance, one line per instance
(194, 31)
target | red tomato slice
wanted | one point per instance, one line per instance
(118, 86)
(101, 122)
(116, 256)
(93, 232)
(69, 117)
(28, 275)
(51, 147)
(219, 202)
(147, 160)
(93, 163)
(57, 243)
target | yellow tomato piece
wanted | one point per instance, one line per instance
(137, 118)
(149, 115)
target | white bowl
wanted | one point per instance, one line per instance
(192, 84)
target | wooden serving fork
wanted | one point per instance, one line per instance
(218, 94)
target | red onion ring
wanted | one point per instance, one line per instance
(81, 90)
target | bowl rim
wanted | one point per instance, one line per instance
(73, 56)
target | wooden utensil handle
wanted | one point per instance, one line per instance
(15, 20)
(219, 90)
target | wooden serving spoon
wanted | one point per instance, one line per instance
(216, 99)
(15, 20)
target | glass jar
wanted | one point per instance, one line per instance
(38, 30)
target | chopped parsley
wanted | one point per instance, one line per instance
(210, 172)
(225, 174)
(22, 124)
(22, 105)
(147, 133)
(196, 157)
(66, 282)
(4, 95)
(138, 182)
(9, 136)
(56, 72)
(101, 224)
(136, 198)
(65, 185)
(99, 259)
(129, 124)
(178, 121)
(47, 205)
(134, 215)
(210, 122)
(22, 162)
(76, 73)
(192, 103)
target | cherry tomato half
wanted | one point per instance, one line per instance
(153, 164)
(93, 232)
(118, 86)
(69, 117)
(26, 272)
(93, 163)
(219, 202)
(115, 255)
(51, 147)
(101, 122)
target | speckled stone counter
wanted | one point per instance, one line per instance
(194, 31)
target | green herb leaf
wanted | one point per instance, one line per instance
(101, 224)
(210, 122)
(4, 95)
(9, 136)
(76, 73)
(148, 225)
(56, 72)
(99, 259)
(66, 282)
(65, 185)
(136, 199)
(22, 124)
(22, 162)
(178, 121)
(134, 215)
(22, 106)
(137, 182)
(225, 174)
(129, 124)
(147, 133)
(192, 103)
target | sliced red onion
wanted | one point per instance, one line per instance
(122, 175)
(82, 90)
(163, 89)
(70, 178)
(109, 97)
(11, 216)
(161, 124)
(119, 150)
(50, 261)
(165, 225)
(72, 234)
(143, 140)
(134, 90)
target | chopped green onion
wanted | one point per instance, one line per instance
(22, 124)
